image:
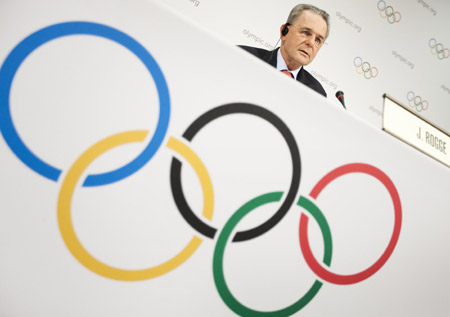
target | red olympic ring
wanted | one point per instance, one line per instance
(322, 272)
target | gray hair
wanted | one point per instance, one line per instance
(299, 8)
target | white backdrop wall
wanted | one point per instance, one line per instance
(401, 60)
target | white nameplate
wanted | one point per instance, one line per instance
(409, 127)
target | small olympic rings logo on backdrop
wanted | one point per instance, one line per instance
(283, 201)
(364, 68)
(416, 102)
(438, 49)
(388, 13)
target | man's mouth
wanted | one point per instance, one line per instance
(304, 52)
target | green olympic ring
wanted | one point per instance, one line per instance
(219, 277)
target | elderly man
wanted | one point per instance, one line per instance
(301, 37)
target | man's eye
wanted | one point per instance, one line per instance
(307, 33)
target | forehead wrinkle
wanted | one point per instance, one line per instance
(297, 20)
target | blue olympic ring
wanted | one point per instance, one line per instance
(32, 42)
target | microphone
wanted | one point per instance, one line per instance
(340, 97)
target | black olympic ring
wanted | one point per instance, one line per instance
(196, 126)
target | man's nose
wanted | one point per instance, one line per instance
(311, 39)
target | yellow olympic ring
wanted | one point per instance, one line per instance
(65, 199)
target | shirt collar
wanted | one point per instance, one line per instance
(281, 64)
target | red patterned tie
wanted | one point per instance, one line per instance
(287, 73)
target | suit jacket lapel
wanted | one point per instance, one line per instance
(272, 57)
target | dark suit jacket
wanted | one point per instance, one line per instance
(271, 57)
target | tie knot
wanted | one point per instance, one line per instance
(287, 73)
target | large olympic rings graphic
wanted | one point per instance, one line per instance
(73, 178)
(364, 68)
(416, 101)
(438, 49)
(35, 40)
(388, 12)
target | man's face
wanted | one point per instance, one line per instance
(304, 39)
